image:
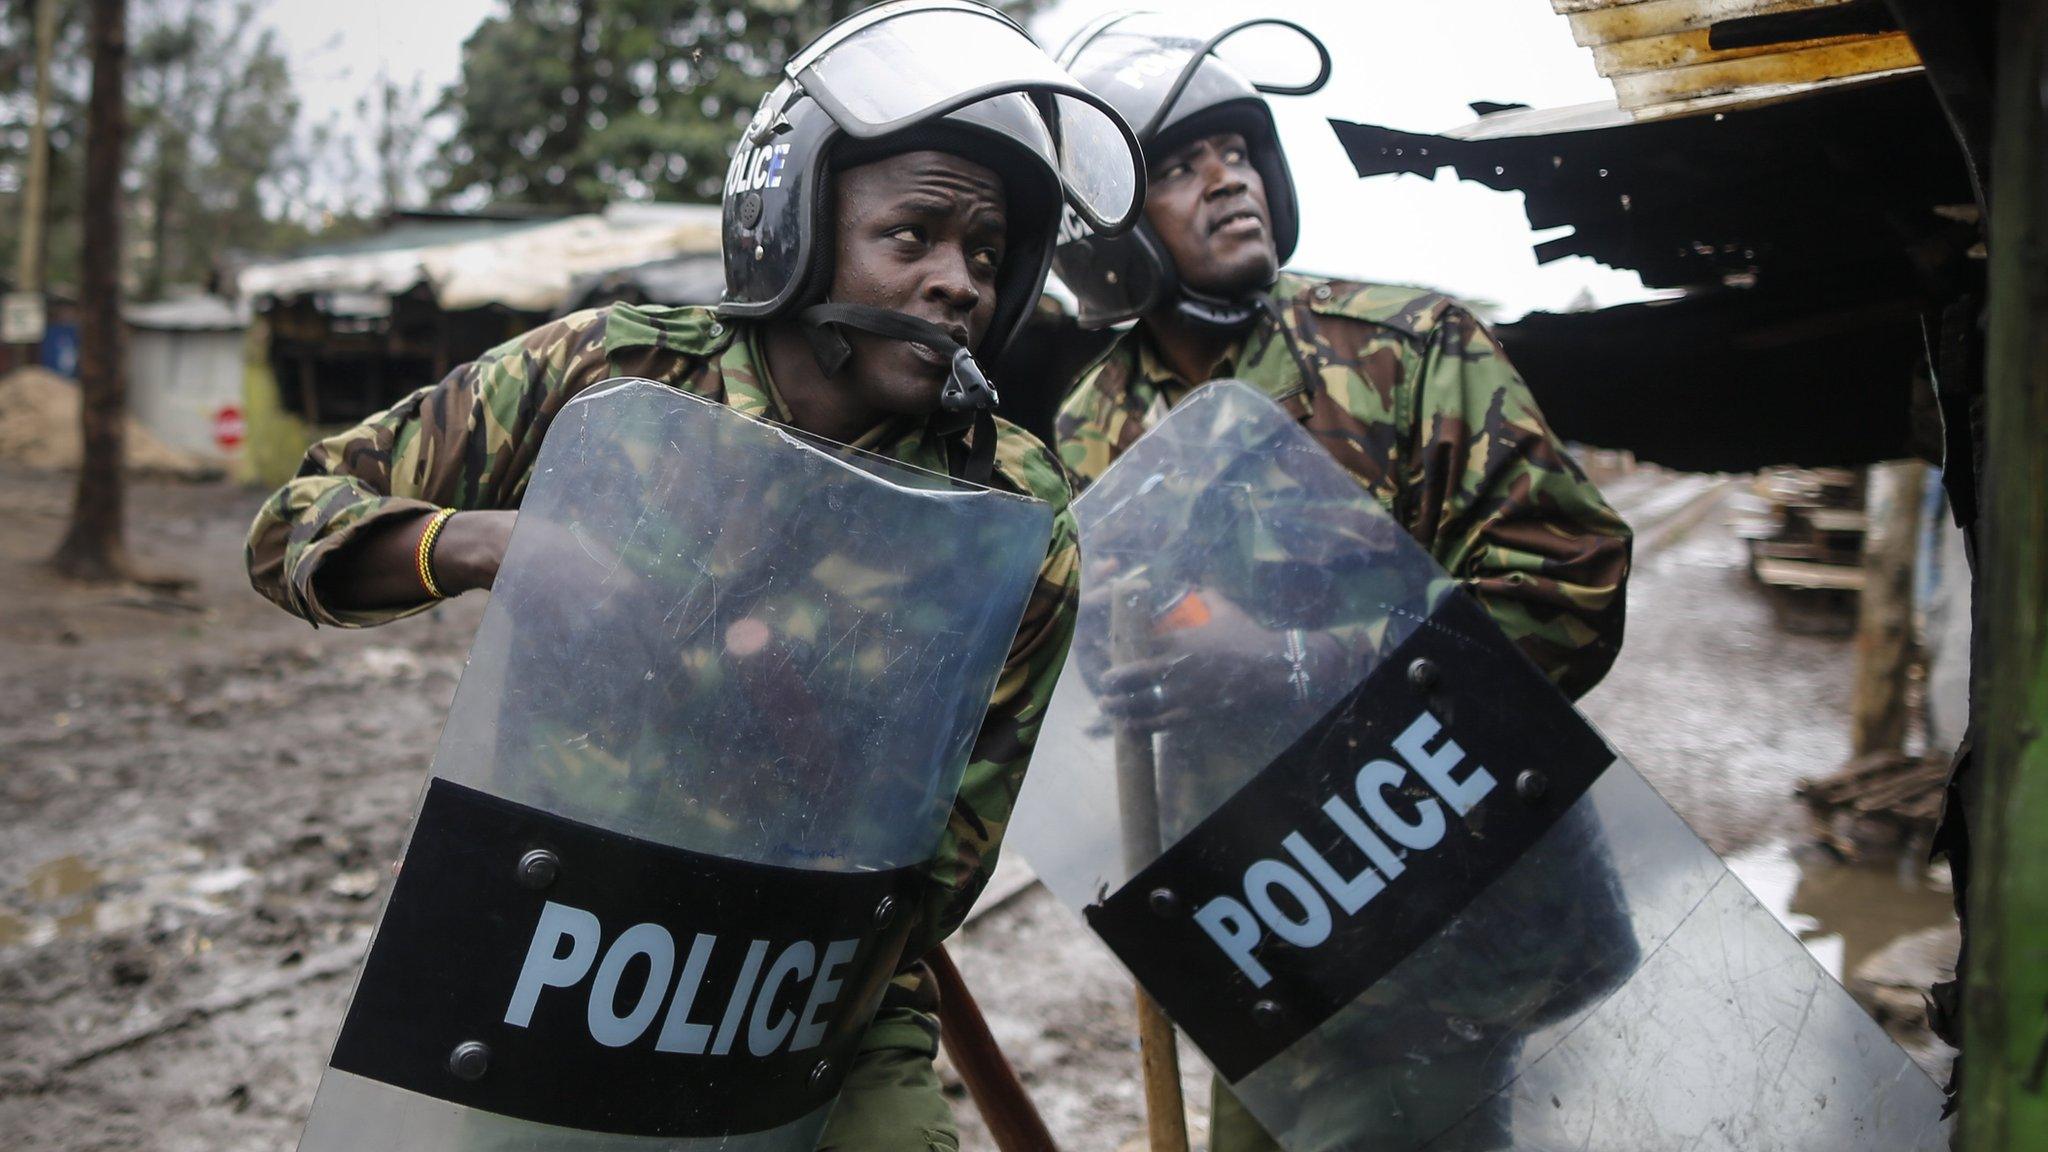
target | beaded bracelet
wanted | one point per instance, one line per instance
(424, 557)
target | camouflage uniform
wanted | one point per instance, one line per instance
(470, 443)
(1416, 399)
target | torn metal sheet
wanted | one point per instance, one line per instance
(1807, 188)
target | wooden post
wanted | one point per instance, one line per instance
(2005, 1007)
(1137, 777)
(1012, 1119)
(1884, 612)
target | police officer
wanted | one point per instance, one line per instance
(877, 239)
(1404, 387)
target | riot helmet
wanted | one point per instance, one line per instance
(1176, 88)
(945, 75)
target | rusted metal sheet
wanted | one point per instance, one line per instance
(1669, 57)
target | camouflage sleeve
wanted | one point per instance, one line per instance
(1506, 511)
(995, 772)
(465, 443)
(1002, 750)
(1088, 429)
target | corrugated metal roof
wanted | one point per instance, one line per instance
(1671, 57)
(530, 267)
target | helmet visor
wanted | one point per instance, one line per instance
(899, 65)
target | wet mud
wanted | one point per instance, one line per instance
(201, 798)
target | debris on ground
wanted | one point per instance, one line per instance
(39, 429)
(1804, 528)
(1885, 800)
(1892, 984)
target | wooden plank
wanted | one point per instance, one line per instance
(1609, 22)
(1800, 66)
(1838, 519)
(1685, 49)
(1806, 574)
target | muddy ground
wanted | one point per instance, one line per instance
(200, 799)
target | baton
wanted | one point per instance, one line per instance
(998, 1094)
(1137, 787)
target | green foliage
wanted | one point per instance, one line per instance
(71, 74)
(211, 150)
(212, 113)
(570, 103)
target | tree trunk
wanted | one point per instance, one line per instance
(35, 191)
(582, 81)
(94, 549)
(168, 159)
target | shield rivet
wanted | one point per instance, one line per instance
(470, 1060)
(1109, 276)
(885, 912)
(1423, 674)
(820, 1072)
(1531, 785)
(1322, 292)
(538, 869)
(1164, 902)
(759, 251)
(1268, 1013)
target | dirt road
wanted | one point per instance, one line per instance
(197, 824)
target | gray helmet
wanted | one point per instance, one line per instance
(1176, 88)
(948, 75)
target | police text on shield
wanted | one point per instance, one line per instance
(1372, 822)
(700, 1020)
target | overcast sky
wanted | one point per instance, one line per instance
(1408, 65)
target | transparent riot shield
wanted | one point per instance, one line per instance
(711, 725)
(1396, 889)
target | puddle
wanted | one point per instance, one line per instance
(61, 878)
(1843, 913)
(69, 896)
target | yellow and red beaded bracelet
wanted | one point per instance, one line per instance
(424, 557)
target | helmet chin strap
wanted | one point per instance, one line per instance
(966, 389)
(1216, 312)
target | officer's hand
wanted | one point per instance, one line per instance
(470, 550)
(1209, 658)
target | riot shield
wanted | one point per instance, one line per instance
(1412, 900)
(711, 726)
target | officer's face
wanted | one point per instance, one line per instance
(1208, 206)
(919, 233)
